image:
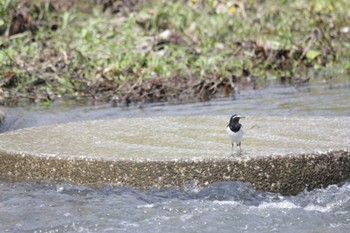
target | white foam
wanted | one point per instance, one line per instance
(147, 206)
(60, 189)
(323, 209)
(186, 217)
(278, 205)
(231, 203)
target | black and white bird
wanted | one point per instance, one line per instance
(235, 131)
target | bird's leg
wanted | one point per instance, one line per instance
(240, 148)
(232, 149)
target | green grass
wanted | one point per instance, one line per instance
(77, 53)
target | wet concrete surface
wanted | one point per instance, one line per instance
(280, 154)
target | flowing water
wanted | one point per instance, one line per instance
(221, 207)
(282, 101)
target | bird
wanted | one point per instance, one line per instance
(235, 131)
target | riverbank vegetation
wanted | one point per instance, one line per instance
(132, 51)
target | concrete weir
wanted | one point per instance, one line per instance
(280, 154)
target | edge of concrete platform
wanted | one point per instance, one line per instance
(286, 174)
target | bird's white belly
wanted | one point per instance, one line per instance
(235, 137)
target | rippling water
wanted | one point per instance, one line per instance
(286, 101)
(220, 207)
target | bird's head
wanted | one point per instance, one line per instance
(235, 118)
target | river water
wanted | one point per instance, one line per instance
(221, 207)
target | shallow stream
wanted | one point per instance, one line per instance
(221, 207)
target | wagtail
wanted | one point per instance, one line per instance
(235, 131)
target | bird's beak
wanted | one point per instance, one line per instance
(241, 116)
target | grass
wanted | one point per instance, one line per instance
(130, 53)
